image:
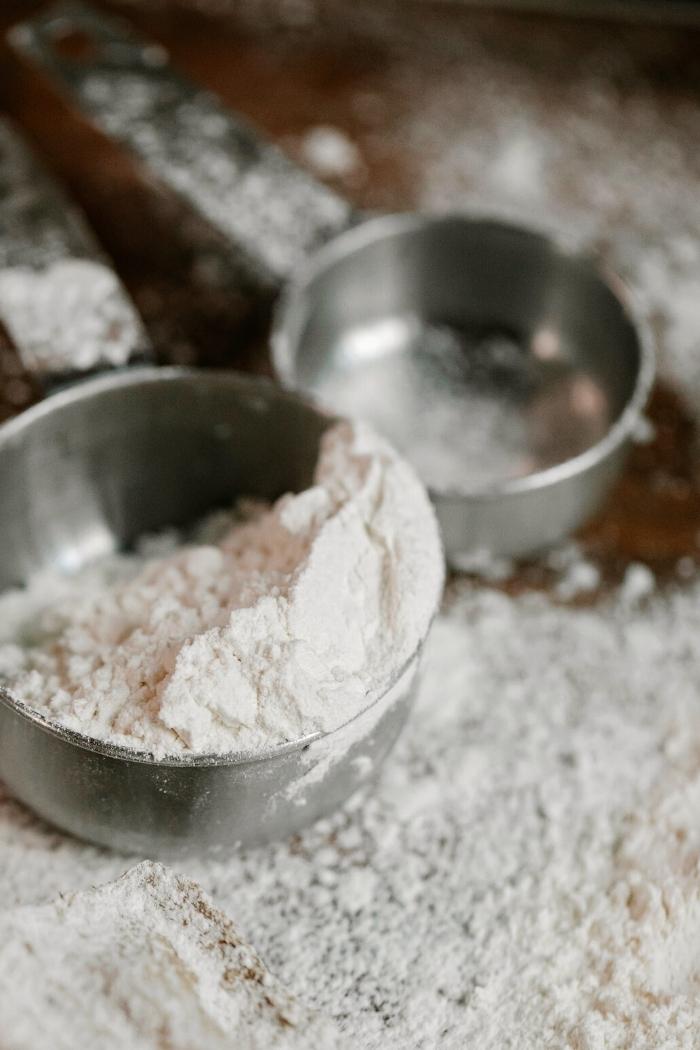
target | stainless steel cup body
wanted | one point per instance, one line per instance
(88, 471)
(192, 806)
(573, 334)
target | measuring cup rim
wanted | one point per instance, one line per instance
(240, 757)
(288, 312)
(86, 385)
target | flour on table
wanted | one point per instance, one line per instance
(291, 623)
(524, 876)
(641, 936)
(144, 962)
(549, 751)
(330, 152)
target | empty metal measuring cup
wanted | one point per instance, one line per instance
(506, 366)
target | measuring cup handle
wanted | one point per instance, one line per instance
(61, 304)
(269, 211)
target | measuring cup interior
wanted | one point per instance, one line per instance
(484, 351)
(96, 466)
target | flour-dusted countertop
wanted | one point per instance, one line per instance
(145, 961)
(526, 873)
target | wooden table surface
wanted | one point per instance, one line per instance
(367, 68)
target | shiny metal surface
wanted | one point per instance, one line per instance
(89, 470)
(522, 350)
(396, 319)
(41, 227)
(270, 212)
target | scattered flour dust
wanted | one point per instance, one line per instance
(161, 966)
(642, 937)
(330, 152)
(525, 876)
(291, 622)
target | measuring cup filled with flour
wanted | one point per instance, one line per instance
(214, 601)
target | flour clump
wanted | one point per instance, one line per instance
(145, 962)
(288, 622)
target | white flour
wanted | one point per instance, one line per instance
(291, 623)
(330, 152)
(60, 302)
(456, 905)
(525, 876)
(640, 938)
(72, 315)
(161, 966)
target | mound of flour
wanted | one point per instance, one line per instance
(158, 965)
(290, 623)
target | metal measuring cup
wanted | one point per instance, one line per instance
(542, 344)
(531, 337)
(88, 470)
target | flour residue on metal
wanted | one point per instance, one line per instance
(72, 315)
(469, 410)
(270, 212)
(61, 304)
(350, 741)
